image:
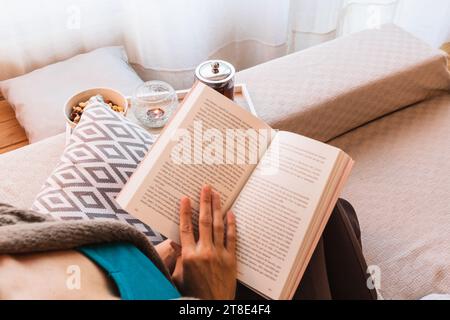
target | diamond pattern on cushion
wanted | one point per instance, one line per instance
(103, 152)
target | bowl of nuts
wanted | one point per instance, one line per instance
(75, 105)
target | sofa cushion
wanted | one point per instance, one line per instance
(24, 171)
(102, 153)
(400, 189)
(330, 89)
(38, 98)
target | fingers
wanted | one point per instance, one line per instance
(186, 229)
(205, 217)
(231, 233)
(217, 220)
(211, 222)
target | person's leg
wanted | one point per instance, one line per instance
(338, 269)
(315, 284)
(345, 263)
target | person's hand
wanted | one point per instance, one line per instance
(169, 252)
(207, 269)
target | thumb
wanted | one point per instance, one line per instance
(177, 275)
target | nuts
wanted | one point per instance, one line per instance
(77, 110)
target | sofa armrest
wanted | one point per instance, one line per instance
(325, 91)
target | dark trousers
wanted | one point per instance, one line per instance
(337, 269)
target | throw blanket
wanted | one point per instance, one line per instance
(25, 231)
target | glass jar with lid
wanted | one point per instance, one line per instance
(219, 75)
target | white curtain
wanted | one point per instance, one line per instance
(34, 33)
(164, 39)
(167, 39)
(316, 21)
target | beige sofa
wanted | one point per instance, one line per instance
(383, 97)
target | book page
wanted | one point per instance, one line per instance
(187, 156)
(275, 208)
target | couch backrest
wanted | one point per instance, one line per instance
(325, 91)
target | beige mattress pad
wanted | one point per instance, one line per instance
(400, 188)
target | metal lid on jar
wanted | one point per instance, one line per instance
(215, 71)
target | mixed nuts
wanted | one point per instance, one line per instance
(78, 109)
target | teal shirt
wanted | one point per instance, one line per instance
(136, 277)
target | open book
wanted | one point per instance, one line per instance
(282, 187)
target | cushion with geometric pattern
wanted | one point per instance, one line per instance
(104, 150)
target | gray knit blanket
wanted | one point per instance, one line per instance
(25, 231)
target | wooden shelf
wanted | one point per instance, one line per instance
(446, 48)
(12, 135)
